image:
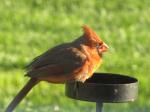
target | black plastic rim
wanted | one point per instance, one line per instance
(104, 87)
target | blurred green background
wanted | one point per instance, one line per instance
(29, 27)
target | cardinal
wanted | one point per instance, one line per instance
(74, 61)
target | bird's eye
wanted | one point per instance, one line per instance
(98, 45)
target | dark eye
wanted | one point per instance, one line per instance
(98, 45)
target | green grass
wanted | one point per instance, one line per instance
(28, 28)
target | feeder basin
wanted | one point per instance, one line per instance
(104, 87)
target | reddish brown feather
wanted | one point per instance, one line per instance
(90, 34)
(75, 61)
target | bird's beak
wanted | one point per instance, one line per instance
(104, 47)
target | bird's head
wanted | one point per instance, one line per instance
(93, 40)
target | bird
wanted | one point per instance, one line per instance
(74, 61)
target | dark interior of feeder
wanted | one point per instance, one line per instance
(109, 78)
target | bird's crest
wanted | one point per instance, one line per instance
(90, 34)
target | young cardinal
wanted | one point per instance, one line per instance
(75, 61)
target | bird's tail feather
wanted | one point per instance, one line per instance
(30, 84)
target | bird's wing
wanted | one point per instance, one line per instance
(58, 61)
(44, 58)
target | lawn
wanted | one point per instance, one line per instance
(29, 27)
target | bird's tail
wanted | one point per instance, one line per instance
(30, 84)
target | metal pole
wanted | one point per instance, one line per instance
(99, 106)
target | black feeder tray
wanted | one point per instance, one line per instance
(104, 88)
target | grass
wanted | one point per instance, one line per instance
(28, 28)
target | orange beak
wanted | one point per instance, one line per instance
(104, 47)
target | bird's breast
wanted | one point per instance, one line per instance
(94, 61)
